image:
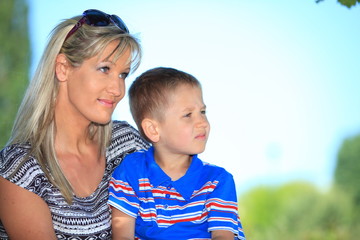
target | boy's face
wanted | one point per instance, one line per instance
(184, 128)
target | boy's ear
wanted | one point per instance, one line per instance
(150, 128)
(61, 67)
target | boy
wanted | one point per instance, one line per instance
(167, 192)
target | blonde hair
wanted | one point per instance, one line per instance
(34, 122)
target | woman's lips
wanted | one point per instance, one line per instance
(106, 102)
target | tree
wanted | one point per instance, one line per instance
(347, 3)
(297, 211)
(348, 168)
(14, 61)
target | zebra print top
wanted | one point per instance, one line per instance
(86, 218)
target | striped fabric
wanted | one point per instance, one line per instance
(202, 201)
(87, 218)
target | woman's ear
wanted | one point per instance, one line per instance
(61, 67)
(150, 128)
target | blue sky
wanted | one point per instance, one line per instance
(280, 78)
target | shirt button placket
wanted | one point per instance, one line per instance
(168, 188)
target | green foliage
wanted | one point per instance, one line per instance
(297, 211)
(349, 3)
(346, 3)
(348, 168)
(14, 62)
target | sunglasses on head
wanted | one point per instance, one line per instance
(98, 18)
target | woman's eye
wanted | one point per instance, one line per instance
(104, 69)
(187, 115)
(123, 75)
(203, 112)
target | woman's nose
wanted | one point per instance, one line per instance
(117, 87)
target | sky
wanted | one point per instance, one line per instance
(280, 78)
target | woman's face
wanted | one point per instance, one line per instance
(95, 88)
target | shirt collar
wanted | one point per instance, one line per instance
(156, 175)
(185, 185)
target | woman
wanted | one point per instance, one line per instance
(64, 147)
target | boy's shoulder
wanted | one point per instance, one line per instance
(135, 160)
(139, 155)
(214, 170)
(133, 167)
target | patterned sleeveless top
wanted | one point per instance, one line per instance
(86, 218)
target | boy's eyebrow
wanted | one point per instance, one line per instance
(192, 108)
(203, 106)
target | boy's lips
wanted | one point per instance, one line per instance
(201, 136)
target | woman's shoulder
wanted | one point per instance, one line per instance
(13, 154)
(125, 139)
(16, 163)
(16, 147)
(118, 125)
(123, 131)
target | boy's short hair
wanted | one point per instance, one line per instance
(148, 94)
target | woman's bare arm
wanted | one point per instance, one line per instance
(24, 215)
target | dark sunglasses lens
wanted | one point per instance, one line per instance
(100, 19)
(120, 23)
(96, 18)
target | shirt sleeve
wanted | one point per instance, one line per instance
(121, 189)
(223, 207)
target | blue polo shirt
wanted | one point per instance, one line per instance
(201, 201)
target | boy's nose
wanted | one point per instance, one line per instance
(203, 122)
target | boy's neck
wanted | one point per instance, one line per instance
(174, 165)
